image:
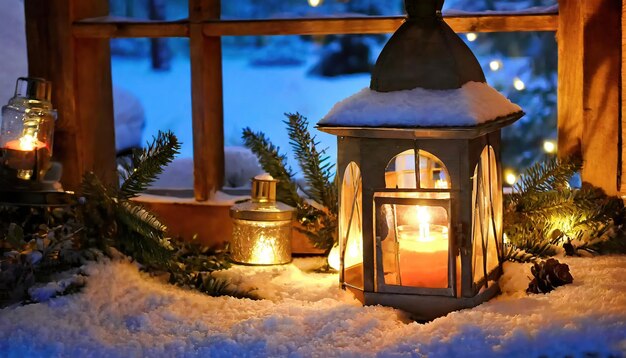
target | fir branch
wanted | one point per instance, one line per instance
(139, 220)
(317, 170)
(148, 163)
(275, 164)
(551, 174)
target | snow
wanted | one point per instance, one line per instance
(123, 312)
(472, 104)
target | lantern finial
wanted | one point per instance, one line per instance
(423, 8)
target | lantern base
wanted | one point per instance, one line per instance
(425, 308)
(46, 191)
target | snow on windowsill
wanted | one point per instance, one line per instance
(472, 104)
(123, 312)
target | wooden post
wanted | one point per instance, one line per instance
(80, 71)
(207, 104)
(589, 87)
(622, 158)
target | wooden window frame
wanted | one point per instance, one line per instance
(68, 42)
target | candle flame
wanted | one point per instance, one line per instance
(263, 251)
(28, 142)
(423, 218)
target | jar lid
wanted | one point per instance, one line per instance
(262, 211)
(33, 88)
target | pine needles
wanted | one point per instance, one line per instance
(43, 242)
(146, 164)
(319, 225)
(544, 212)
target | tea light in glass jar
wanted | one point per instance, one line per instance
(262, 226)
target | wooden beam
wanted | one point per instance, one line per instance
(206, 100)
(106, 27)
(589, 87)
(570, 78)
(80, 74)
(501, 22)
(374, 25)
(622, 158)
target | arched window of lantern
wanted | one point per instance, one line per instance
(350, 226)
(401, 174)
(486, 216)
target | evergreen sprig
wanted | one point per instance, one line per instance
(318, 224)
(275, 164)
(38, 243)
(316, 168)
(544, 212)
(147, 163)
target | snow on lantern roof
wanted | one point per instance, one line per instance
(425, 77)
(473, 104)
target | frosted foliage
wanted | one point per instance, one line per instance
(474, 103)
(486, 215)
(350, 225)
(123, 312)
(261, 243)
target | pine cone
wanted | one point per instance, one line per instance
(549, 275)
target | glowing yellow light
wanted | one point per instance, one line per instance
(549, 146)
(495, 65)
(518, 84)
(506, 239)
(471, 36)
(510, 177)
(333, 258)
(423, 218)
(263, 251)
(441, 184)
(28, 142)
(315, 3)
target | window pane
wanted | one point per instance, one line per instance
(150, 9)
(351, 226)
(498, 5)
(414, 244)
(268, 76)
(523, 67)
(151, 97)
(14, 61)
(400, 172)
(268, 9)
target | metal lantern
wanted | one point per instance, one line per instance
(262, 226)
(26, 132)
(420, 200)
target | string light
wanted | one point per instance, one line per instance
(495, 65)
(549, 146)
(510, 177)
(471, 36)
(518, 84)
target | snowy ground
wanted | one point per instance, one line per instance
(122, 312)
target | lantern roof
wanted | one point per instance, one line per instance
(425, 77)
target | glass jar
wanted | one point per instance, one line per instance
(262, 226)
(26, 131)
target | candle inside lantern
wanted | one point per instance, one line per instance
(263, 251)
(25, 155)
(423, 250)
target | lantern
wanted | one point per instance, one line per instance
(26, 135)
(420, 198)
(262, 226)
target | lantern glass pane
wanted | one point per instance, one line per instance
(400, 172)
(414, 244)
(486, 215)
(350, 226)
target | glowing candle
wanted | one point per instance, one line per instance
(423, 251)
